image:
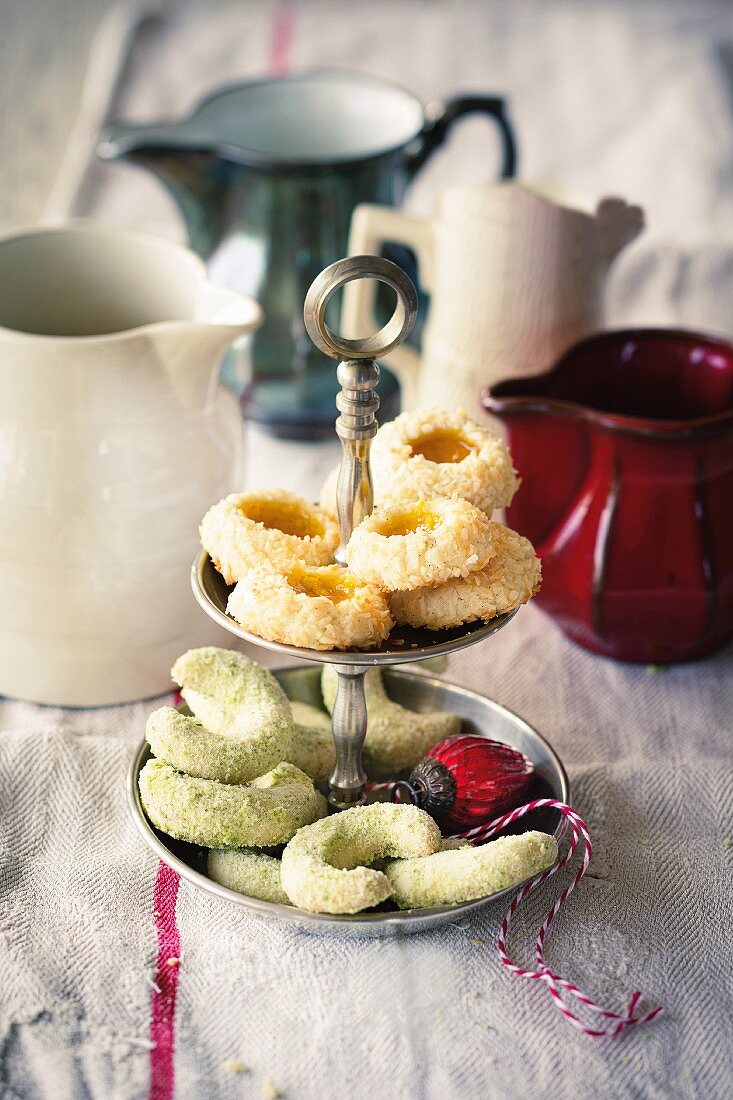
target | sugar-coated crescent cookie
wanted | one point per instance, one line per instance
(452, 877)
(323, 608)
(242, 727)
(188, 746)
(266, 812)
(312, 748)
(306, 714)
(433, 452)
(396, 738)
(419, 542)
(232, 694)
(324, 867)
(274, 529)
(249, 872)
(510, 579)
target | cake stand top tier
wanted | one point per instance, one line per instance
(403, 644)
(357, 403)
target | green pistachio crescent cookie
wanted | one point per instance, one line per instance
(248, 872)
(305, 714)
(266, 812)
(396, 738)
(312, 747)
(452, 877)
(190, 747)
(324, 867)
(242, 725)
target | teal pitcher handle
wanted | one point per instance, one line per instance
(436, 130)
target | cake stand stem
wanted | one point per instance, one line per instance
(349, 729)
(357, 402)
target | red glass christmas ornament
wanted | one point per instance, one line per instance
(467, 780)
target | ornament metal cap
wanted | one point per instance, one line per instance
(430, 786)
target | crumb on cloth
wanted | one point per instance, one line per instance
(235, 1066)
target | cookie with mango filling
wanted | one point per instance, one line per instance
(420, 542)
(314, 608)
(511, 578)
(434, 452)
(274, 529)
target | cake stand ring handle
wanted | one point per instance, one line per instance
(335, 276)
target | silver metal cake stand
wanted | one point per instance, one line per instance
(357, 425)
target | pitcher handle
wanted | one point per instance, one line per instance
(371, 227)
(436, 129)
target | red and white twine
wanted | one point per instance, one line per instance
(557, 986)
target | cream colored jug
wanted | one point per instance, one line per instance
(516, 274)
(114, 439)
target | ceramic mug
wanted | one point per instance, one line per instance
(516, 274)
(266, 175)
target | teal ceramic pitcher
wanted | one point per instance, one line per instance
(266, 176)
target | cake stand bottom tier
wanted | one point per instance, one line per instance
(420, 693)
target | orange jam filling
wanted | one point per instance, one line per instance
(291, 519)
(329, 580)
(442, 445)
(419, 516)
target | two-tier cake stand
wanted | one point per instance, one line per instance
(356, 426)
(357, 403)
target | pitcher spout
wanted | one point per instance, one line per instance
(619, 223)
(224, 310)
(537, 426)
(191, 351)
(125, 140)
(185, 163)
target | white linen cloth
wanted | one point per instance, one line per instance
(606, 97)
(432, 1016)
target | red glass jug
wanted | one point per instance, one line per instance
(625, 448)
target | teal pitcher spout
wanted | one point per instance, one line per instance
(266, 175)
(191, 170)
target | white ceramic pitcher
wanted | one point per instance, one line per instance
(114, 439)
(516, 275)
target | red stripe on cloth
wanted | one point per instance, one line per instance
(281, 40)
(163, 1005)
